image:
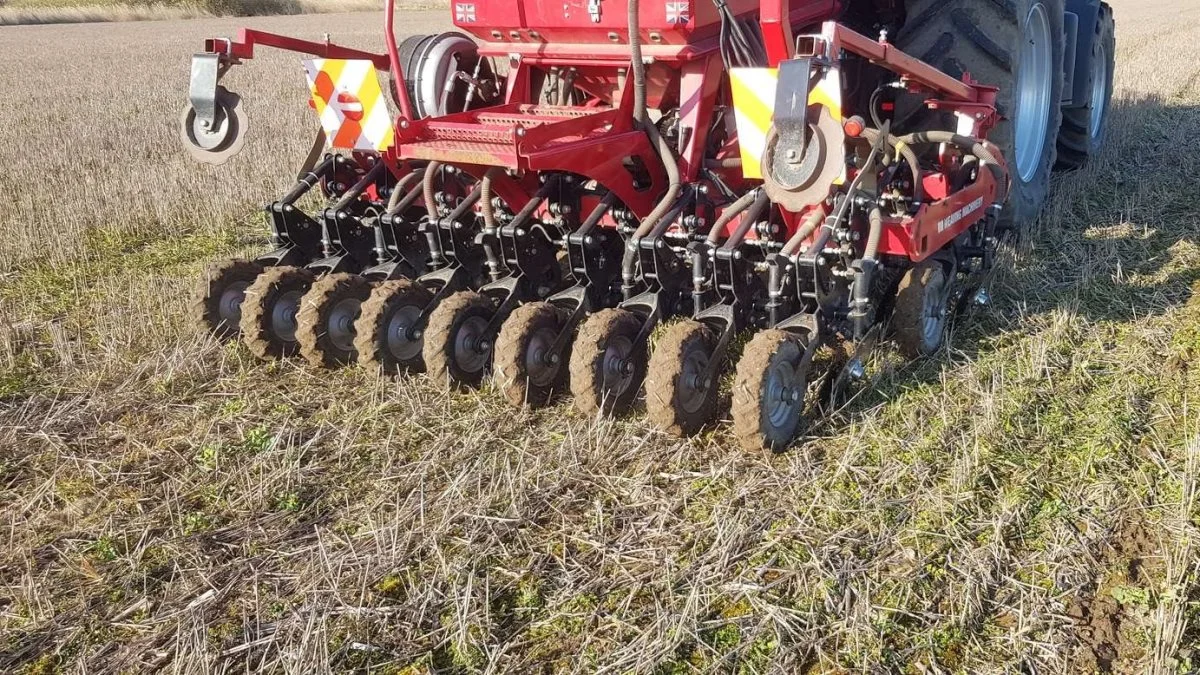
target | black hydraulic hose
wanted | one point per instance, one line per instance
(755, 200)
(409, 198)
(360, 187)
(307, 181)
(465, 206)
(807, 227)
(904, 149)
(967, 144)
(427, 190)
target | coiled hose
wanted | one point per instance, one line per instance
(967, 144)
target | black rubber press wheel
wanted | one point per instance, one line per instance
(607, 363)
(526, 369)
(217, 306)
(269, 311)
(389, 333)
(769, 390)
(325, 323)
(458, 348)
(680, 398)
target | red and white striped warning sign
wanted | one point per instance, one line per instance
(350, 103)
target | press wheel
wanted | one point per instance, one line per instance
(389, 334)
(769, 390)
(922, 309)
(269, 311)
(680, 397)
(607, 362)
(526, 369)
(217, 307)
(457, 348)
(325, 324)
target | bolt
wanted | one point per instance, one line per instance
(627, 368)
(982, 298)
(794, 395)
(792, 155)
(855, 369)
(417, 333)
(483, 345)
(553, 359)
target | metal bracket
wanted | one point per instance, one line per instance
(594, 10)
(202, 92)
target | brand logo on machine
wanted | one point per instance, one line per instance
(957, 217)
(464, 12)
(678, 12)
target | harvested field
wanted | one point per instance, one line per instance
(25, 12)
(1025, 501)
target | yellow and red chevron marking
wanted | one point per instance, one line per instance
(754, 109)
(350, 103)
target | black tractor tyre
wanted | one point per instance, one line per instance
(987, 38)
(1082, 133)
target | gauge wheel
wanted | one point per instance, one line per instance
(269, 311)
(527, 370)
(325, 324)
(389, 333)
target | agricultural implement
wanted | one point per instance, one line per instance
(573, 182)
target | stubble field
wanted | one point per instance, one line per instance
(1025, 501)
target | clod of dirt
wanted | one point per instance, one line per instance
(1105, 624)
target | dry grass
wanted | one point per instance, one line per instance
(26, 12)
(1026, 501)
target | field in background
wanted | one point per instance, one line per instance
(24, 12)
(1026, 500)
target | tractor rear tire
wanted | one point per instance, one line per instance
(1082, 133)
(1016, 45)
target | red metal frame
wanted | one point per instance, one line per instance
(248, 39)
(597, 139)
